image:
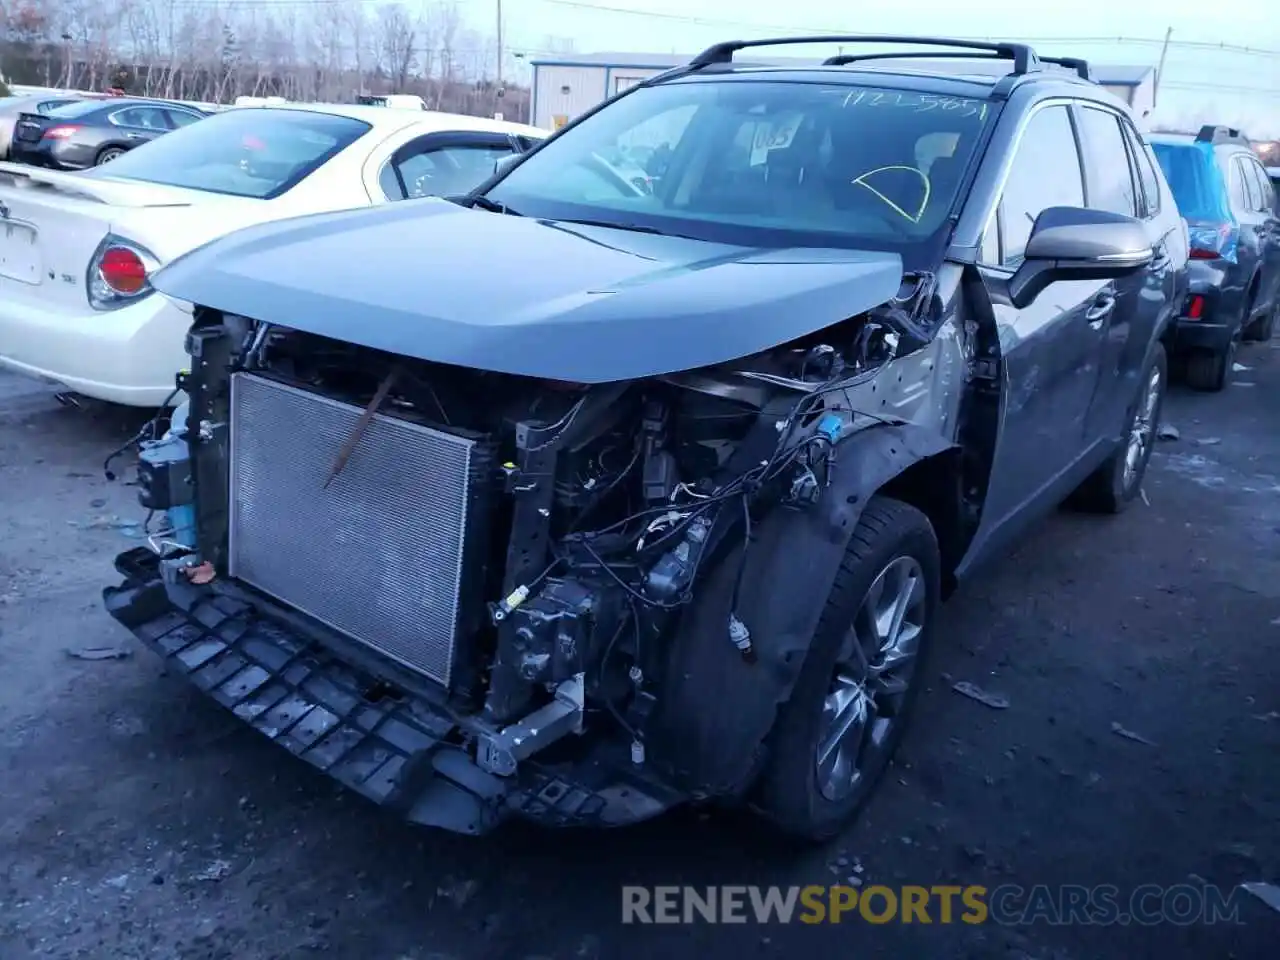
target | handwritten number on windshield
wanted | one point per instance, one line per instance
(918, 103)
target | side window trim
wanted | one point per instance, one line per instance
(1140, 157)
(438, 140)
(1149, 157)
(996, 220)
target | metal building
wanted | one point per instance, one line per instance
(564, 87)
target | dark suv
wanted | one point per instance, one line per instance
(667, 513)
(1229, 203)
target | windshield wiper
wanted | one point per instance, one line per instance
(613, 225)
(484, 203)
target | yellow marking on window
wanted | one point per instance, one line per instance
(861, 181)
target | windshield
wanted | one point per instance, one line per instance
(248, 152)
(1193, 177)
(759, 163)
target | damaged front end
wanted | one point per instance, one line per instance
(461, 593)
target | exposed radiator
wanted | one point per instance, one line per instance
(380, 555)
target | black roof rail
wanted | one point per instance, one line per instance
(1211, 133)
(1081, 67)
(844, 59)
(1024, 58)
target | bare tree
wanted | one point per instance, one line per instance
(397, 35)
(216, 50)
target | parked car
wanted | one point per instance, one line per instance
(666, 514)
(1230, 206)
(11, 107)
(89, 133)
(76, 304)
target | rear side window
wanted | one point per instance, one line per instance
(77, 108)
(1241, 197)
(146, 118)
(181, 118)
(1261, 187)
(1147, 178)
(1106, 163)
(443, 172)
(253, 152)
(1268, 188)
(1045, 173)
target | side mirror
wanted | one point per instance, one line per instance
(503, 164)
(1071, 243)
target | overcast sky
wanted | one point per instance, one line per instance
(1201, 84)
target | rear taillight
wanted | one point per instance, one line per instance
(60, 132)
(1198, 253)
(122, 270)
(1195, 307)
(119, 273)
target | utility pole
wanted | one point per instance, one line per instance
(500, 50)
(1164, 52)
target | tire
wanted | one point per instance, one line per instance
(1261, 329)
(1210, 371)
(1111, 488)
(106, 155)
(890, 536)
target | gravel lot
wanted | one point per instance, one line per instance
(138, 820)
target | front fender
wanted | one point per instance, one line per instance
(716, 710)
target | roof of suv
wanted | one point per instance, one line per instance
(940, 83)
(1026, 66)
(1209, 136)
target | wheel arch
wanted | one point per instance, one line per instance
(715, 709)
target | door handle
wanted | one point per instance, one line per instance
(1101, 308)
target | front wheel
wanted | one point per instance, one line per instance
(107, 155)
(835, 736)
(1113, 486)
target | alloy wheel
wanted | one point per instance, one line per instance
(873, 672)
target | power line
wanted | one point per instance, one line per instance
(1204, 45)
(794, 28)
(1220, 88)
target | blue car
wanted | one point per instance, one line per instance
(1229, 203)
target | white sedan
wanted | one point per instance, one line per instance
(77, 249)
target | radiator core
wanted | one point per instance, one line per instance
(379, 554)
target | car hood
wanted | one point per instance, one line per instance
(433, 280)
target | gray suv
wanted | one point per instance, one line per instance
(573, 502)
